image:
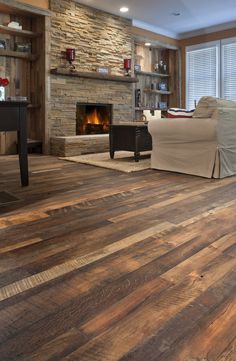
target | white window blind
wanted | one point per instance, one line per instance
(202, 72)
(229, 69)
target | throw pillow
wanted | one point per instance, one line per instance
(179, 113)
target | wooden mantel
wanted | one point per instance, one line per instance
(95, 75)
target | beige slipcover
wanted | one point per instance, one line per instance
(204, 145)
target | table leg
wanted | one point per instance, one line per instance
(111, 143)
(112, 154)
(136, 156)
(23, 156)
(137, 141)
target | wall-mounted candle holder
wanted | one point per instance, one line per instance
(127, 67)
(69, 56)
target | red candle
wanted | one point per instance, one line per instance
(70, 54)
(127, 64)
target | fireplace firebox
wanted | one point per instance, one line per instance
(93, 118)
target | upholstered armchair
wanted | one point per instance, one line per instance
(204, 145)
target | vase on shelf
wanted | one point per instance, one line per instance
(3, 83)
(2, 93)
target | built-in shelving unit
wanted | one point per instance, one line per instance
(156, 90)
(26, 71)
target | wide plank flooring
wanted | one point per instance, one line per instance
(99, 265)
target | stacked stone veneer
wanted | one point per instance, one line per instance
(66, 92)
(100, 39)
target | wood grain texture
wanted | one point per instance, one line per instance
(98, 265)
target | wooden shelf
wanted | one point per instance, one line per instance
(34, 106)
(148, 108)
(17, 32)
(18, 54)
(158, 75)
(95, 75)
(163, 92)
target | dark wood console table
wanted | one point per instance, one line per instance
(13, 118)
(133, 137)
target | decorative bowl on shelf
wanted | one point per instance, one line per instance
(15, 25)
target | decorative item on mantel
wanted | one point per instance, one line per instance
(3, 83)
(70, 57)
(67, 56)
(127, 67)
(103, 70)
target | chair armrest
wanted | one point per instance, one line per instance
(182, 129)
(226, 126)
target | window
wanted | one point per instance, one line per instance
(211, 70)
(229, 69)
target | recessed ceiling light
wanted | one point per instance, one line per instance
(124, 9)
(147, 44)
(176, 13)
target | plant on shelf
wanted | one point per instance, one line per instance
(3, 83)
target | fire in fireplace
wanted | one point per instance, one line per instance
(93, 118)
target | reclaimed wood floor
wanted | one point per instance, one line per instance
(98, 265)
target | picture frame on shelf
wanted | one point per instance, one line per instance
(23, 47)
(3, 44)
(162, 105)
(163, 86)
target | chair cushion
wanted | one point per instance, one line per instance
(179, 113)
(206, 107)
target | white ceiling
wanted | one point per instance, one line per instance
(197, 16)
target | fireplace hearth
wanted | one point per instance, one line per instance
(92, 118)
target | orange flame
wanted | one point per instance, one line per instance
(94, 118)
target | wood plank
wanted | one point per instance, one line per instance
(229, 353)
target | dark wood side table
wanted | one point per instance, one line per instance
(13, 118)
(133, 137)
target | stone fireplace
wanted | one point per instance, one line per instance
(100, 40)
(93, 118)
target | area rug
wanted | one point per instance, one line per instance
(123, 161)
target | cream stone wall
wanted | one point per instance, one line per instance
(100, 39)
